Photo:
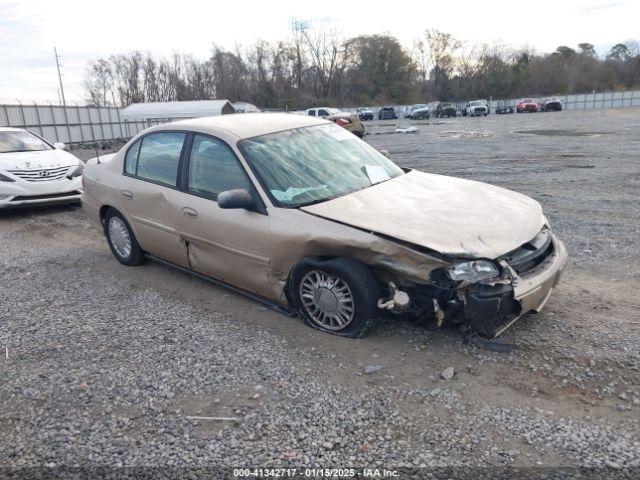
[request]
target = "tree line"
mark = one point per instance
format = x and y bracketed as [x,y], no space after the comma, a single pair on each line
[318,66]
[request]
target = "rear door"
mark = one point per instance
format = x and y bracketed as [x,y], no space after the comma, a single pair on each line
[149,192]
[232,245]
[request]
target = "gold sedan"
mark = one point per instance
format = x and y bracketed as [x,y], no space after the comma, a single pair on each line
[298,212]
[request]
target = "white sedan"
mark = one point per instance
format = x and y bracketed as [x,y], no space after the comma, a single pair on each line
[33,171]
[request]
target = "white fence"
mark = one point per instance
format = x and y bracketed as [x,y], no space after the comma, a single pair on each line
[586,101]
[579,101]
[71,124]
[77,125]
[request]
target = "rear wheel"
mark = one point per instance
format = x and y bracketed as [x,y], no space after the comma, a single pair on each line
[337,296]
[121,239]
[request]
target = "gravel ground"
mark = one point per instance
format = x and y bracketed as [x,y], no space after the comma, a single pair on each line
[107,365]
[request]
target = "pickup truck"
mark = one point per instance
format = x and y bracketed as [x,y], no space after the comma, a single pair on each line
[476,109]
[322,111]
[446,109]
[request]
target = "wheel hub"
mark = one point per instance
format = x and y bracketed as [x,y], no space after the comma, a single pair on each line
[327,299]
[119,235]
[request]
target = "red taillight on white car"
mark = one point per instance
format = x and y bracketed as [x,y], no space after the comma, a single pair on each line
[343,121]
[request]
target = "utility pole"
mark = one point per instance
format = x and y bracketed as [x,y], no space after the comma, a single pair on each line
[64,102]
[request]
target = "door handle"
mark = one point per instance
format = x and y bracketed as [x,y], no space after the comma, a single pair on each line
[127,194]
[189,212]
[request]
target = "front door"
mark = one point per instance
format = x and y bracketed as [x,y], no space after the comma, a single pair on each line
[149,194]
[232,245]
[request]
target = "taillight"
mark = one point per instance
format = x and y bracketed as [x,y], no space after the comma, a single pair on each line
[343,121]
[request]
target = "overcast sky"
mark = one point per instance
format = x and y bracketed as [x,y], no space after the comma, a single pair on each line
[84,30]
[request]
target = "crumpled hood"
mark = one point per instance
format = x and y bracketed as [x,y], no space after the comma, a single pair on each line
[36,160]
[450,215]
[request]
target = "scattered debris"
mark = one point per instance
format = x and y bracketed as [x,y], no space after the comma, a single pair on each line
[465,134]
[406,130]
[492,345]
[447,373]
[369,369]
[218,419]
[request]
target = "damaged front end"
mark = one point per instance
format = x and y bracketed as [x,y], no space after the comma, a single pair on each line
[485,296]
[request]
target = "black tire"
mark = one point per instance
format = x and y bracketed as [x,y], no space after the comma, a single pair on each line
[136,256]
[361,282]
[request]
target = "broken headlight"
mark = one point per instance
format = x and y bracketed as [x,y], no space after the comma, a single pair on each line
[472,271]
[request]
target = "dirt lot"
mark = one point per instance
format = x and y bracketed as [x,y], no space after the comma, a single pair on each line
[106,364]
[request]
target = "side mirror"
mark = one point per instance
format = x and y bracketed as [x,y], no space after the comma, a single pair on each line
[385,153]
[235,199]
[60,146]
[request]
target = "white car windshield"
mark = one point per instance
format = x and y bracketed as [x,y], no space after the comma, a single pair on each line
[21,141]
[314,164]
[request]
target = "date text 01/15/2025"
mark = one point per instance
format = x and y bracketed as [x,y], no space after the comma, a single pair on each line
[315,473]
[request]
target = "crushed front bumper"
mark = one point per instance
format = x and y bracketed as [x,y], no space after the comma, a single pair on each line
[489,307]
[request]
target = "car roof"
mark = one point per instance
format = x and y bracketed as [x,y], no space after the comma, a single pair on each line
[238,126]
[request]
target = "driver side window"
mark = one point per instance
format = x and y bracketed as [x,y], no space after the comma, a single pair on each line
[214,168]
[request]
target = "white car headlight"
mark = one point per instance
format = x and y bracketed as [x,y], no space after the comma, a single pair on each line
[78,171]
[472,271]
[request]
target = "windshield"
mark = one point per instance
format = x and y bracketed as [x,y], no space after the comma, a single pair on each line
[476,104]
[313,164]
[416,107]
[21,141]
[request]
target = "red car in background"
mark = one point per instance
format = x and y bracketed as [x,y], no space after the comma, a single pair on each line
[527,105]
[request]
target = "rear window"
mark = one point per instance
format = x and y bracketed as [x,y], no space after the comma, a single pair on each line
[156,158]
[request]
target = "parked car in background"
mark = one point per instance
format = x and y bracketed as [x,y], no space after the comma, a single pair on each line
[349,122]
[504,107]
[321,111]
[418,111]
[364,114]
[299,213]
[387,113]
[446,109]
[527,105]
[476,108]
[551,105]
[34,171]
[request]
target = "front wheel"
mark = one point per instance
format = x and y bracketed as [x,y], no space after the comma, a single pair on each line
[337,296]
[122,241]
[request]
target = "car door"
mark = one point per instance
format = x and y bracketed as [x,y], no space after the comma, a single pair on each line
[232,245]
[149,193]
